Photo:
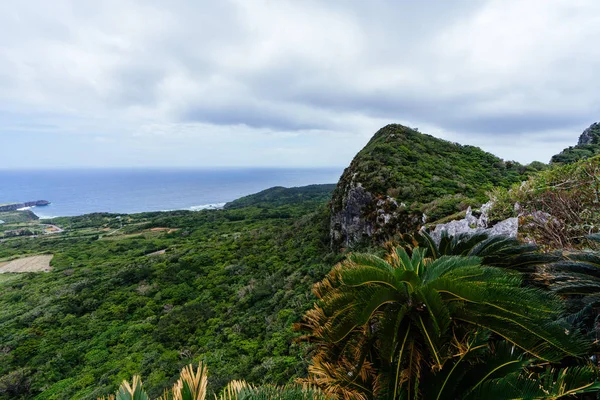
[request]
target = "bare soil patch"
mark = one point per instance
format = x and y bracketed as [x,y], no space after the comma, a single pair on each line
[28,264]
[168,230]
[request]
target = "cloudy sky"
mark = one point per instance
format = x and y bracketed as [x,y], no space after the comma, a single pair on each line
[289,83]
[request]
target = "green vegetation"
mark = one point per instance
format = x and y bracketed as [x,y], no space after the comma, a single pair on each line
[470,317]
[16,217]
[226,292]
[575,153]
[581,151]
[558,207]
[19,223]
[306,196]
[432,326]
[428,174]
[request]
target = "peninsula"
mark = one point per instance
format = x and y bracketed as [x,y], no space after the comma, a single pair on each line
[16,206]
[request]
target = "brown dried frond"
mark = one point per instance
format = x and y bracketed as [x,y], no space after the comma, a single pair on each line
[313,323]
[329,283]
[412,373]
[391,257]
[338,380]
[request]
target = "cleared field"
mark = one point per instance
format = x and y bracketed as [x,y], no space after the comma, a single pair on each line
[28,264]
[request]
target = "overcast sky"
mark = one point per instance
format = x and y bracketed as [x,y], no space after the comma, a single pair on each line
[289,83]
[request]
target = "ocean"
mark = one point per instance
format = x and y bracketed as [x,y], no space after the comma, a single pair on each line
[78,192]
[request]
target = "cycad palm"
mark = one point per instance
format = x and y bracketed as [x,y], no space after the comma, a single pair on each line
[577,277]
[381,325]
[578,273]
[494,251]
[192,385]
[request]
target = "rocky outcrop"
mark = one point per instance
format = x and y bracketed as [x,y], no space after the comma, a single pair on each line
[587,146]
[590,136]
[402,173]
[364,218]
[348,224]
[16,206]
[472,224]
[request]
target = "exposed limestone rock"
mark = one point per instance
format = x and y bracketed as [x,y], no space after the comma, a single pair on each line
[508,227]
[349,225]
[472,224]
[590,135]
[364,217]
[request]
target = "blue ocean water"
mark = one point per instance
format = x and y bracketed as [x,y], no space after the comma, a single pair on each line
[77,192]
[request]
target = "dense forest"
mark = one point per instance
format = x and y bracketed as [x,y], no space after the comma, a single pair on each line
[226,290]
[252,302]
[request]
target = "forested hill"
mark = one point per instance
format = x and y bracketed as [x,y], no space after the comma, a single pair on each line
[418,168]
[149,293]
[587,146]
[402,174]
[280,196]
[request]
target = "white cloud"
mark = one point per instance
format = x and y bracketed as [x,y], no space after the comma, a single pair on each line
[266,82]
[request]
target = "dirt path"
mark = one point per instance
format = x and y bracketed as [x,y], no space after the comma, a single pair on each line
[28,264]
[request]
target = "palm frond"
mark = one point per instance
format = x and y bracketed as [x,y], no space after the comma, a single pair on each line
[133,391]
[233,389]
[392,327]
[551,384]
[191,384]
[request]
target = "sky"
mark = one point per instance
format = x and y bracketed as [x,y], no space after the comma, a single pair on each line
[121,83]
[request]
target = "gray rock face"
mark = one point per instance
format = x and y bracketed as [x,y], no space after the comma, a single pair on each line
[472,224]
[348,225]
[590,135]
[365,217]
[508,227]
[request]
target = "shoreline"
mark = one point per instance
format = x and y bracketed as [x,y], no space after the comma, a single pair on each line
[202,207]
[7,207]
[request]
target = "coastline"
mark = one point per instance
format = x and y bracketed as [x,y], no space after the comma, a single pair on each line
[202,207]
[126,191]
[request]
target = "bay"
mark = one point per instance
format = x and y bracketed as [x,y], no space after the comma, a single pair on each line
[76,192]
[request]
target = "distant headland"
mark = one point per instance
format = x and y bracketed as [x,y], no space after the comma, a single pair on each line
[16,206]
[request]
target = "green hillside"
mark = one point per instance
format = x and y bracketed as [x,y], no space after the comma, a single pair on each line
[419,168]
[226,290]
[558,207]
[406,174]
[588,146]
[466,318]
[279,196]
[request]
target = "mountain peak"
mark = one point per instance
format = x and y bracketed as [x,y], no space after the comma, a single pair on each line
[403,176]
[587,146]
[590,136]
